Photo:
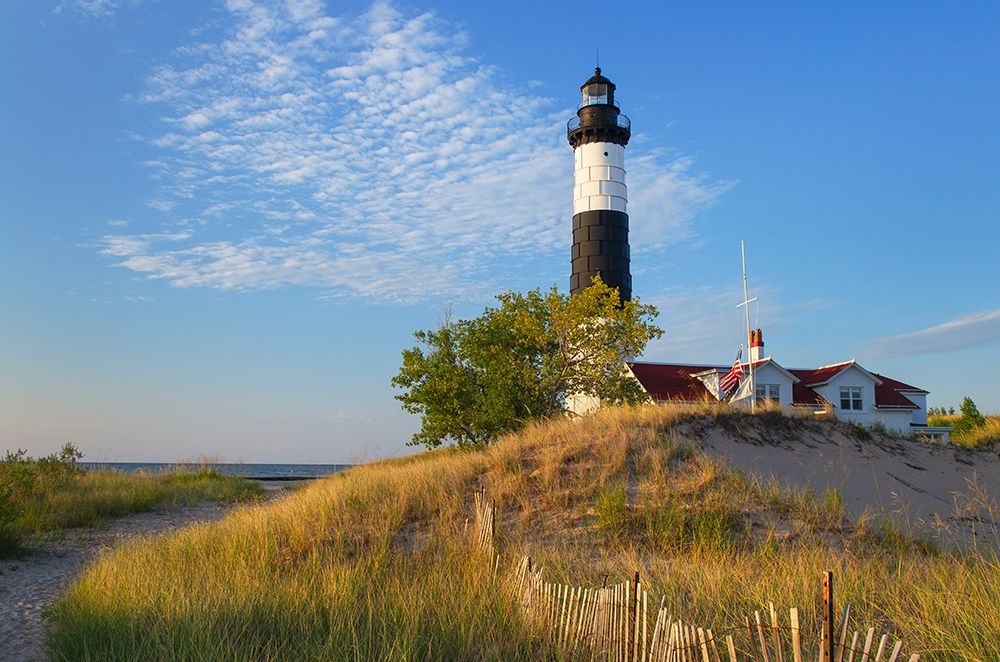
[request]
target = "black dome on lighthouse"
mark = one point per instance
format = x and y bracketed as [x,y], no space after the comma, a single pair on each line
[598,79]
[598,117]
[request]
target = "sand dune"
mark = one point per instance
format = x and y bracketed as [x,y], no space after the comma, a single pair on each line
[922,482]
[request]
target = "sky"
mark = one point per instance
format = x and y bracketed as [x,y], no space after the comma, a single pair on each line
[221,222]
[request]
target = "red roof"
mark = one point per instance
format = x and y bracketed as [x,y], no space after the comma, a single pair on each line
[821,375]
[757,364]
[887,394]
[898,385]
[672,381]
[803,395]
[675,381]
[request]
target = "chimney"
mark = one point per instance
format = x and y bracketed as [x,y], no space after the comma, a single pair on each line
[756,345]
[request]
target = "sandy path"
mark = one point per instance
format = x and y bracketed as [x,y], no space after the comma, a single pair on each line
[29,585]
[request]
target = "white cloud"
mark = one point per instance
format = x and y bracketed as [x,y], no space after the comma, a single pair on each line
[370,156]
[356,415]
[127,245]
[162,205]
[92,8]
[667,196]
[704,324]
[966,332]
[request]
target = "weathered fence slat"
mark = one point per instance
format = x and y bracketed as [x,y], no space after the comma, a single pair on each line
[854,646]
[613,622]
[844,623]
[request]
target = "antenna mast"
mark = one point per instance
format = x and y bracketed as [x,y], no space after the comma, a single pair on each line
[746,309]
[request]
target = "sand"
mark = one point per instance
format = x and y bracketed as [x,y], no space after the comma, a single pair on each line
[922,484]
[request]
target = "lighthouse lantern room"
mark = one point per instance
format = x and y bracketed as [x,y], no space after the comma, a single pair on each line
[598,135]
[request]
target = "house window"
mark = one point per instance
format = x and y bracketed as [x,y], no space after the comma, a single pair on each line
[768,392]
[850,398]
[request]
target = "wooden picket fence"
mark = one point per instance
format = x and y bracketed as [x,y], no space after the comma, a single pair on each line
[613,622]
[486,512]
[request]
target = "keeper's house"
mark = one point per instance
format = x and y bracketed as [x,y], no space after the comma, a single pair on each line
[846,389]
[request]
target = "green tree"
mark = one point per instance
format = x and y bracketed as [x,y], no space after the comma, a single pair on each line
[474,380]
[971,417]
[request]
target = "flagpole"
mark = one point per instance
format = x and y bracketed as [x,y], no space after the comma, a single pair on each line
[746,310]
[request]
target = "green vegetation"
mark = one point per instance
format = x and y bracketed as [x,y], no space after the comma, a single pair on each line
[613,517]
[52,493]
[474,380]
[376,563]
[971,418]
[971,428]
[861,431]
[982,438]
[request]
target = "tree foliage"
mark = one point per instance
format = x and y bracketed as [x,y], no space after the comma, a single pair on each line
[971,419]
[474,380]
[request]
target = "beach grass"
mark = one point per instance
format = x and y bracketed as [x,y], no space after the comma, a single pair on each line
[377,562]
[984,437]
[52,494]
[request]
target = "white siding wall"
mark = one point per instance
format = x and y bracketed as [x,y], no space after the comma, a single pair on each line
[920,415]
[851,377]
[581,405]
[893,420]
[897,421]
[599,180]
[768,374]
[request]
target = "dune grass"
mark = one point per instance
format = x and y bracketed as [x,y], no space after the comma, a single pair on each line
[985,437]
[376,563]
[93,497]
[51,494]
[981,438]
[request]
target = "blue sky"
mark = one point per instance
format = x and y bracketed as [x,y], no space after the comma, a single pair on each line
[221,222]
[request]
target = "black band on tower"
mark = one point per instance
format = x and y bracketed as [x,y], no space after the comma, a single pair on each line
[600,246]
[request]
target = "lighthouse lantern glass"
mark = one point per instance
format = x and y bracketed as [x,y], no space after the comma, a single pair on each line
[595,93]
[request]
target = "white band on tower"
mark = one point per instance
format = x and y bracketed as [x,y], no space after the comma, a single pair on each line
[599,178]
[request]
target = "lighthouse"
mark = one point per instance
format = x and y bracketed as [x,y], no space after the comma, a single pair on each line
[598,135]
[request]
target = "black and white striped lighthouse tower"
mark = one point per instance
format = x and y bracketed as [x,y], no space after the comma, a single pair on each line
[598,135]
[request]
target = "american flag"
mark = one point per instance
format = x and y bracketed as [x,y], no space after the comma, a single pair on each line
[732,378]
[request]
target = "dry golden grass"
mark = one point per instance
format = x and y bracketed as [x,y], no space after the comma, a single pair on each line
[981,438]
[987,436]
[376,564]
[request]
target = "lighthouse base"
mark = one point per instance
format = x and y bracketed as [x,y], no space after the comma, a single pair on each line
[581,405]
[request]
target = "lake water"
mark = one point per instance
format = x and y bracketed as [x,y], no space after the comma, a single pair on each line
[260,471]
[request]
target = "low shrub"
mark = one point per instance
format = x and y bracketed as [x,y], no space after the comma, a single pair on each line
[861,431]
[672,528]
[985,437]
[53,493]
[715,529]
[10,536]
[613,516]
[666,527]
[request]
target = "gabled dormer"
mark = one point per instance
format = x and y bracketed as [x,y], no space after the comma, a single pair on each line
[847,386]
